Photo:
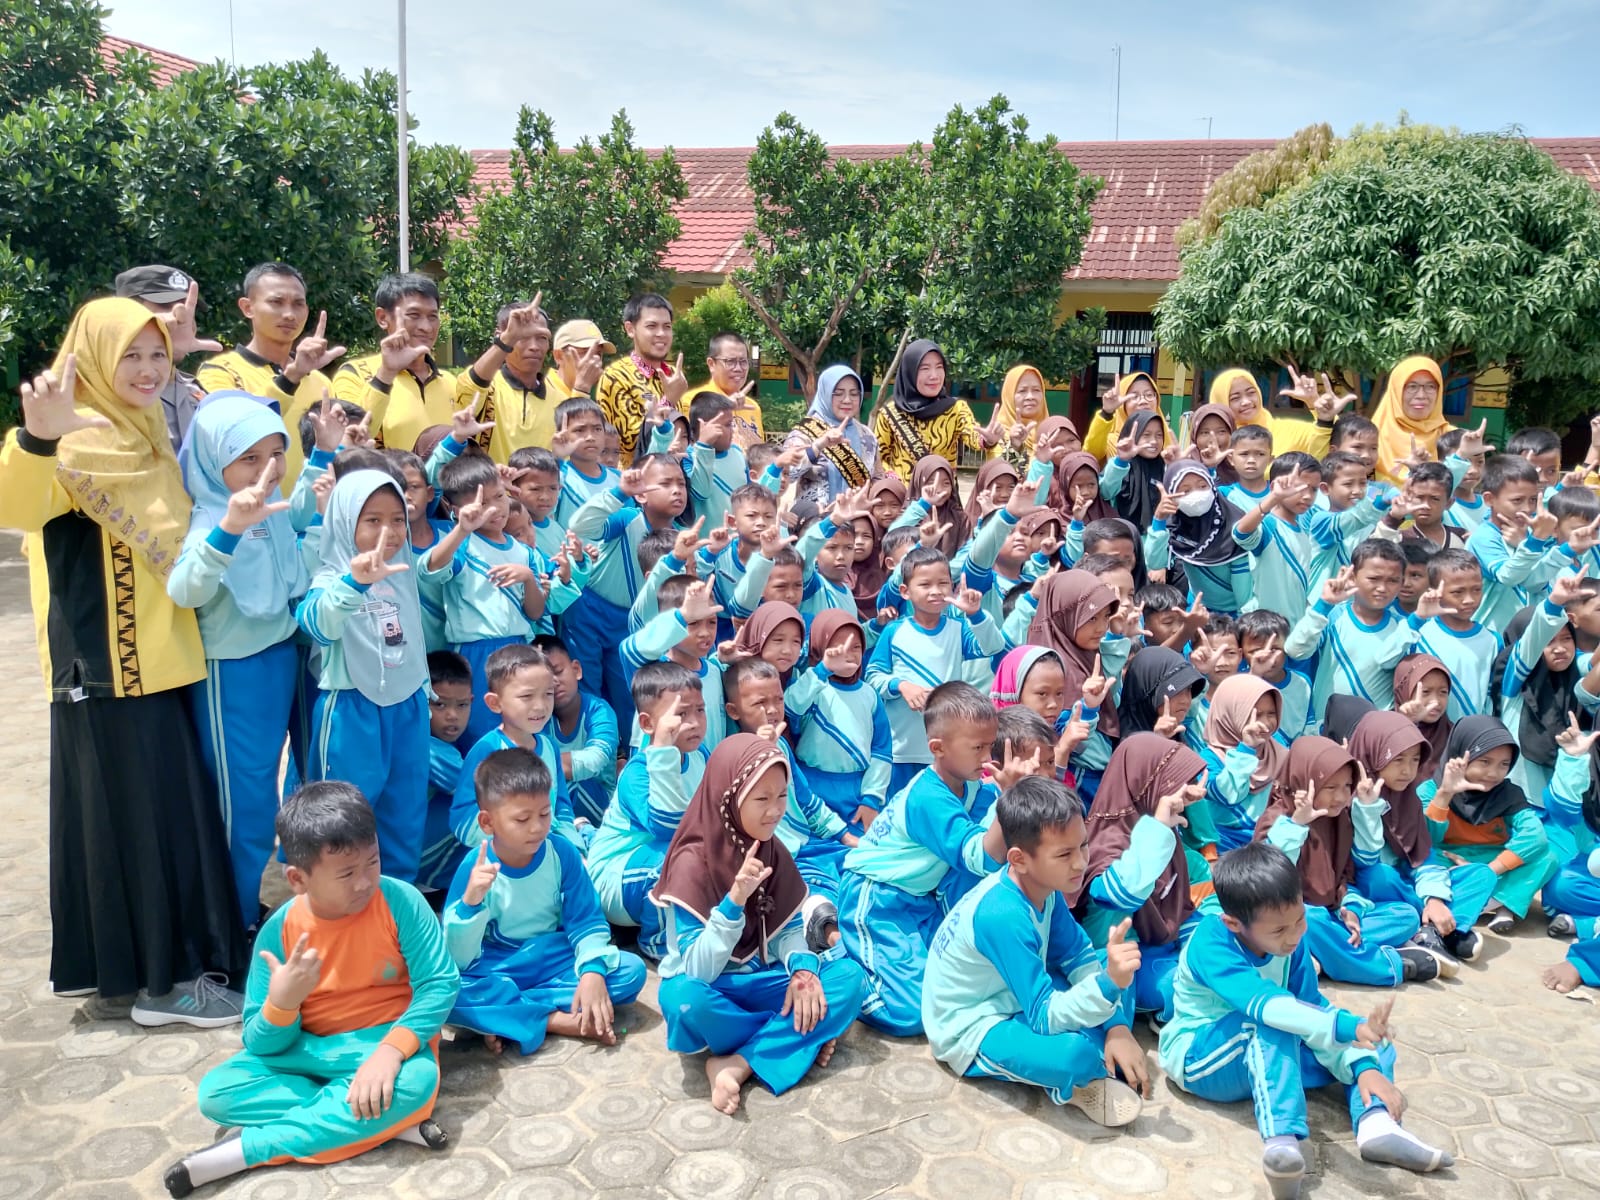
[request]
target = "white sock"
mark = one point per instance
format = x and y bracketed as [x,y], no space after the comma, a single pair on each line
[412,1134]
[1375,1123]
[1283,1139]
[215,1162]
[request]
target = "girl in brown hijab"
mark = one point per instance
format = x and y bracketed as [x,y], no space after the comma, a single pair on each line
[1390,748]
[1073,613]
[1242,756]
[935,497]
[738,979]
[996,480]
[1075,489]
[1320,807]
[886,500]
[1422,692]
[775,632]
[1137,866]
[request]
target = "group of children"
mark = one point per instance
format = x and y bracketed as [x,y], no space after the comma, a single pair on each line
[1160,737]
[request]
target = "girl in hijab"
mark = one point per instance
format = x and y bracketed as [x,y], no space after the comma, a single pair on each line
[1075,489]
[1238,391]
[1127,396]
[843,744]
[996,480]
[1210,440]
[1033,677]
[1315,816]
[1241,755]
[1132,478]
[1477,814]
[241,569]
[1410,416]
[1405,867]
[1022,407]
[142,902]
[923,417]
[935,497]
[737,978]
[1137,866]
[371,716]
[841,452]
[1158,687]
[1535,679]
[775,633]
[1211,539]
[1072,618]
[1422,692]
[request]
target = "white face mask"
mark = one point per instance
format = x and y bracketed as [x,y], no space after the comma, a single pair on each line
[1195,504]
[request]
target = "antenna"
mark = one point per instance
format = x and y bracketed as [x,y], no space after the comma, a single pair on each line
[1116,134]
[233,53]
[1207,120]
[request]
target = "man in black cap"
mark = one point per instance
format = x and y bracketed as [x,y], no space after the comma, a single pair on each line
[172,295]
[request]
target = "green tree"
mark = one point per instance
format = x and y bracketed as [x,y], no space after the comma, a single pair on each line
[719,310]
[1475,249]
[587,227]
[47,44]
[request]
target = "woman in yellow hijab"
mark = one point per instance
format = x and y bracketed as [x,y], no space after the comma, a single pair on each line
[142,901]
[1411,411]
[1022,406]
[1128,396]
[1237,388]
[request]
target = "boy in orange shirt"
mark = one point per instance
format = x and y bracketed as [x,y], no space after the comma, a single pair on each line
[343,1007]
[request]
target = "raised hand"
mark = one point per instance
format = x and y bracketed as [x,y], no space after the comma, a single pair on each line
[790,456]
[484,873]
[590,364]
[1203,655]
[1374,1031]
[1255,733]
[1544,524]
[248,507]
[523,320]
[329,421]
[359,433]
[1073,734]
[968,599]
[374,565]
[180,322]
[1095,686]
[931,531]
[751,876]
[1288,489]
[472,515]
[1167,507]
[1329,404]
[1013,768]
[1568,588]
[48,409]
[774,538]
[1305,807]
[1454,778]
[322,488]
[1585,537]
[1574,740]
[1303,389]
[1127,448]
[669,725]
[1431,604]
[834,658]
[313,353]
[698,603]
[1368,789]
[1169,809]
[1168,725]
[632,483]
[1122,956]
[688,541]
[296,977]
[397,354]
[464,425]
[1111,400]
[1338,588]
[1415,706]
[1171,454]
[1264,653]
[1474,441]
[772,733]
[712,429]
[721,536]
[677,385]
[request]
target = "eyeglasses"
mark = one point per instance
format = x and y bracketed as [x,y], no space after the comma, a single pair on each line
[1420,389]
[733,364]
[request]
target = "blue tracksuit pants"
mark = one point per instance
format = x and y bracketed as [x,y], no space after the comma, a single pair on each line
[594,628]
[887,931]
[383,750]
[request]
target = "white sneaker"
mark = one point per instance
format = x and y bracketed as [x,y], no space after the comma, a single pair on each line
[203,1002]
[1108,1102]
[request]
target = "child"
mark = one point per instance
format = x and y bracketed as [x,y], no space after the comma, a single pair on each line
[524,926]
[346,996]
[1466,648]
[537,475]
[1513,543]
[1157,689]
[1467,509]
[1241,756]
[683,632]
[755,523]
[653,791]
[1250,1023]
[738,979]
[1074,619]
[1535,681]
[1132,479]
[1262,635]
[1216,655]
[1426,500]
[1358,636]
[425,533]
[1290,542]
[1034,677]
[1252,455]
[936,498]
[1015,991]
[521,693]
[718,466]
[664,553]
[889,903]
[1211,539]
[580,442]
[1356,435]
[584,732]
[915,654]
[776,634]
[1075,489]
[1318,815]
[449,705]
[1417,554]
[649,496]
[241,568]
[492,594]
[371,717]
[1137,866]
[1542,448]
[1571,898]
[843,746]
[1405,866]
[1477,814]
[1422,692]
[1162,609]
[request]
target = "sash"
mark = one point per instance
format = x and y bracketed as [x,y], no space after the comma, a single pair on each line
[906,432]
[841,454]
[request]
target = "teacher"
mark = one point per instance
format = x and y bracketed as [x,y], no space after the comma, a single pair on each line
[923,418]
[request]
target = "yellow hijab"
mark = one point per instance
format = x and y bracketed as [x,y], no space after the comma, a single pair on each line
[1006,414]
[1396,430]
[1223,384]
[125,477]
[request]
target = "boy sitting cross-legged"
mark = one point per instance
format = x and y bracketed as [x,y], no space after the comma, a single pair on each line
[524,925]
[1250,1023]
[343,1007]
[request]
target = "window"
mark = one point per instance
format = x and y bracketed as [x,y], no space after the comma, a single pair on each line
[1127,344]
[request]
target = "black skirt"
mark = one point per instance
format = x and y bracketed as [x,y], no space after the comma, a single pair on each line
[141,887]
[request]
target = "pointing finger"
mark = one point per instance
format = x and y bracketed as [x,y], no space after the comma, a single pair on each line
[322,325]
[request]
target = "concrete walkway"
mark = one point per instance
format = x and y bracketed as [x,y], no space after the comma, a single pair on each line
[1503,1073]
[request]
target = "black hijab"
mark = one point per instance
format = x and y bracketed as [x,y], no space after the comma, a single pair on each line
[1547,696]
[1138,498]
[906,397]
[1475,737]
[1154,675]
[1342,715]
[1208,538]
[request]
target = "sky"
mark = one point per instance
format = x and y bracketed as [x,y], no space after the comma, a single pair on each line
[715,72]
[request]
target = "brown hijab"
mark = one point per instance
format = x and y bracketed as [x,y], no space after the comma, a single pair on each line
[868,578]
[1380,738]
[1059,498]
[950,512]
[1225,473]
[1407,675]
[1143,768]
[709,848]
[1232,706]
[762,624]
[829,624]
[992,471]
[1327,860]
[1066,602]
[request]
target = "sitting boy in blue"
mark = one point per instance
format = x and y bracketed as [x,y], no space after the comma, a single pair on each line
[889,897]
[449,706]
[346,996]
[584,731]
[1015,991]
[1250,1023]
[524,925]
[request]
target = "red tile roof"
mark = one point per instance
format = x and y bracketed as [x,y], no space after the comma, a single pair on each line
[1150,189]
[167,66]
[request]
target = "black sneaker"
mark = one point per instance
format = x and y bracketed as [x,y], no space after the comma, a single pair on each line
[1463,944]
[1561,926]
[1418,965]
[821,921]
[177,1180]
[1427,938]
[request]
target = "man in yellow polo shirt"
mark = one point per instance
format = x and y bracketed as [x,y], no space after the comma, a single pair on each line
[580,349]
[270,364]
[632,385]
[728,360]
[509,385]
